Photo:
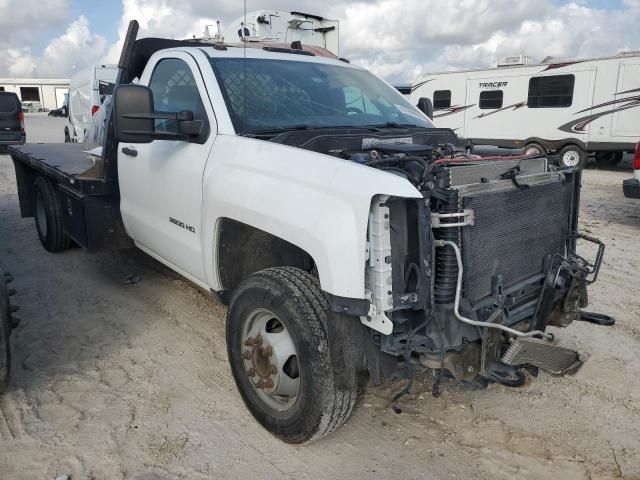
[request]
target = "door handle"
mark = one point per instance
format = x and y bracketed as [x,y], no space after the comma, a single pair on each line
[132,152]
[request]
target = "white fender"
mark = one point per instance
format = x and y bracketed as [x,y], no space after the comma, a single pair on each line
[317,202]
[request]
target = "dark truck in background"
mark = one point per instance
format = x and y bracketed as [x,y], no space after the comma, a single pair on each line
[11,121]
[350,237]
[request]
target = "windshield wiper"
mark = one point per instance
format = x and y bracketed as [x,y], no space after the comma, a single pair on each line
[395,125]
[268,131]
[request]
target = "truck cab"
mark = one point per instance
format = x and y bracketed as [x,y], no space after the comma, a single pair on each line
[350,238]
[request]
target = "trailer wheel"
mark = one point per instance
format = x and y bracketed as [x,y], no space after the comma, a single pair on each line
[279,353]
[5,330]
[534,148]
[608,159]
[48,216]
[572,156]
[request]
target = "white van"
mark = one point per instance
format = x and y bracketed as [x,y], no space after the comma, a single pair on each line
[87,92]
[571,108]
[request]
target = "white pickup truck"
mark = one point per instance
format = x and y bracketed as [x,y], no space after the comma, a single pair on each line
[350,237]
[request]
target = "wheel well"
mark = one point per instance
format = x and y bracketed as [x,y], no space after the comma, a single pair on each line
[556,145]
[243,250]
[571,144]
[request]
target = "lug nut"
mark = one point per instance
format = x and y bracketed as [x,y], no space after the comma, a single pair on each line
[246,355]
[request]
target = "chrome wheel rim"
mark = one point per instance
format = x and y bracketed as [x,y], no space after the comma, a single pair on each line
[571,158]
[270,360]
[41,216]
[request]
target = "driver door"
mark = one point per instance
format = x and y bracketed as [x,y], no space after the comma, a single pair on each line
[161,181]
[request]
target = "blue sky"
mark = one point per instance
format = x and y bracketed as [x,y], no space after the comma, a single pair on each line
[102,15]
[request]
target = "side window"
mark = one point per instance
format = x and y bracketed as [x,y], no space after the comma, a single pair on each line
[174,89]
[441,99]
[551,92]
[490,99]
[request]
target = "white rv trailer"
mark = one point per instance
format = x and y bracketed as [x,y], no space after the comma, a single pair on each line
[571,108]
[287,27]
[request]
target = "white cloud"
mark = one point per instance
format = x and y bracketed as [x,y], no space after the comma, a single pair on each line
[76,48]
[475,33]
[161,18]
[397,39]
[20,20]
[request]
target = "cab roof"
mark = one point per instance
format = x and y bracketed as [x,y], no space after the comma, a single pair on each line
[144,48]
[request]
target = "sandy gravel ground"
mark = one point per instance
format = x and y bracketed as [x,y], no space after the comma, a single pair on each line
[121,381]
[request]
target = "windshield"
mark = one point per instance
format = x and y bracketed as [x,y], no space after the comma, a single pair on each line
[265,95]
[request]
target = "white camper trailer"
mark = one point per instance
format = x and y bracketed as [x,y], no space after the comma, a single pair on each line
[287,27]
[571,108]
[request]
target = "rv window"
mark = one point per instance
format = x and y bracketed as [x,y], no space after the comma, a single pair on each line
[441,99]
[551,92]
[491,99]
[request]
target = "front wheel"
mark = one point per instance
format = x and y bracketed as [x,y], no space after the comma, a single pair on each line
[572,156]
[278,346]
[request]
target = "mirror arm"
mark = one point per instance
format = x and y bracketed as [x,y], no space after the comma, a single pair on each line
[152,115]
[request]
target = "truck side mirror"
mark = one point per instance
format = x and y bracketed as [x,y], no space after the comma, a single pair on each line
[133,113]
[426,107]
[134,118]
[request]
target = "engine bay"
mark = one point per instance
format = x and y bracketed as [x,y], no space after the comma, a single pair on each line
[469,277]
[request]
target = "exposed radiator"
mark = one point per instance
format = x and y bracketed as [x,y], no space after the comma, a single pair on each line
[487,171]
[514,229]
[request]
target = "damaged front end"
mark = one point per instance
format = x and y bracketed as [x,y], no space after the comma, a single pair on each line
[467,279]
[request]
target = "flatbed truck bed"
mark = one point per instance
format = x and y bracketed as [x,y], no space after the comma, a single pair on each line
[89,198]
[68,163]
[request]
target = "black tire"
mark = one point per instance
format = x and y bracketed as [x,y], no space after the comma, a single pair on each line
[608,159]
[48,216]
[531,148]
[572,156]
[323,403]
[5,331]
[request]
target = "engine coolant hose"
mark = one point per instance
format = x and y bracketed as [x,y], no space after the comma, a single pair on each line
[477,323]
